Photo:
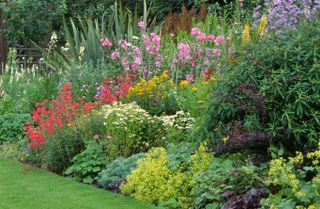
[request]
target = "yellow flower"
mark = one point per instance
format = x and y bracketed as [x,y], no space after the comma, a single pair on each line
[246,33]
[213,79]
[130,91]
[164,76]
[225,139]
[205,82]
[262,25]
[183,84]
[194,89]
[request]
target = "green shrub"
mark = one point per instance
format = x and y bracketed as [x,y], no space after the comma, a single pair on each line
[32,19]
[294,182]
[274,91]
[60,148]
[154,181]
[129,130]
[12,127]
[224,175]
[88,163]
[7,105]
[64,144]
[116,172]
[12,150]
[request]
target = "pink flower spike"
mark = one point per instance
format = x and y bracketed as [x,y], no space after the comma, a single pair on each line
[141,25]
[219,39]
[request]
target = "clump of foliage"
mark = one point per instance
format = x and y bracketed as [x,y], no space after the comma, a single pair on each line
[12,127]
[154,181]
[224,180]
[294,182]
[12,150]
[60,148]
[88,163]
[32,19]
[115,173]
[274,91]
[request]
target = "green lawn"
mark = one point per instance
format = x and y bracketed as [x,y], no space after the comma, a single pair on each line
[38,189]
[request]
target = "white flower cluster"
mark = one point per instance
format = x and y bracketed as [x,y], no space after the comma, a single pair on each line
[181,121]
[126,115]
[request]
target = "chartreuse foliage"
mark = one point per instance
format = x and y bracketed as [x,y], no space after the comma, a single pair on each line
[296,181]
[156,181]
[37,189]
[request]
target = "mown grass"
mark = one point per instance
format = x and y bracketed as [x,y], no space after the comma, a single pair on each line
[38,189]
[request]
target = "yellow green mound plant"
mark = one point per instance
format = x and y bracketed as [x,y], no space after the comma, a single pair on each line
[155,182]
[295,182]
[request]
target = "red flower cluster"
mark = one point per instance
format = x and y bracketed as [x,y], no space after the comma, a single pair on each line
[111,90]
[60,112]
[54,114]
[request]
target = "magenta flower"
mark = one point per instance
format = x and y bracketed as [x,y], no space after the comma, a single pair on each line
[115,55]
[219,39]
[210,38]
[141,25]
[106,42]
[202,37]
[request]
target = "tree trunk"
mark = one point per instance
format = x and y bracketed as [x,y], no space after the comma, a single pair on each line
[3,44]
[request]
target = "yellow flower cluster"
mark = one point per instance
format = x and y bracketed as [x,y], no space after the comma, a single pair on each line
[158,85]
[315,156]
[153,181]
[183,84]
[284,173]
[262,25]
[246,33]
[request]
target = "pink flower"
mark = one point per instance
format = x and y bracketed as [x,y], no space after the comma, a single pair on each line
[158,64]
[124,44]
[106,42]
[115,55]
[156,40]
[195,31]
[210,38]
[125,61]
[190,78]
[134,66]
[219,39]
[141,25]
[202,37]
[137,60]
[217,52]
[184,50]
